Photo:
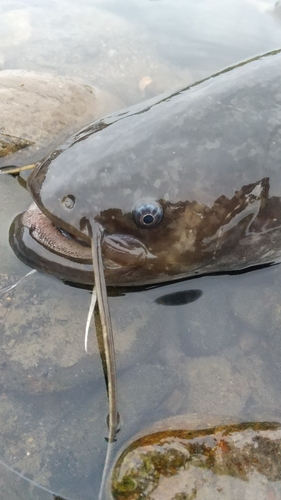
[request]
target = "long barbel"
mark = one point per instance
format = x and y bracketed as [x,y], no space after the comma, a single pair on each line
[14,170]
[96,232]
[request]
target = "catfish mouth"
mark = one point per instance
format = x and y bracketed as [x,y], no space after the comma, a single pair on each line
[39,243]
[55,239]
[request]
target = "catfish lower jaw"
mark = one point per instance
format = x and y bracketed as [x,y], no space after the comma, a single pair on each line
[40,244]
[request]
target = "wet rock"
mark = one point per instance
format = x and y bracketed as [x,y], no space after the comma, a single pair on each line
[227,461]
[38,111]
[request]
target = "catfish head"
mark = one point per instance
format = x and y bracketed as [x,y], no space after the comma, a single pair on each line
[181,185]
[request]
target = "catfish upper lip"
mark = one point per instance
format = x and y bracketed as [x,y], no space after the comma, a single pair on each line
[119,250]
[45,232]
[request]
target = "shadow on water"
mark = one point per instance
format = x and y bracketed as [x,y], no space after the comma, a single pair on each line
[179,298]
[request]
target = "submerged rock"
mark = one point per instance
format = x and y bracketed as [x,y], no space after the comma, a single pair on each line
[44,351]
[39,110]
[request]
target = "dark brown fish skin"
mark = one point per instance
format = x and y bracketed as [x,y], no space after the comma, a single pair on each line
[247,241]
[209,155]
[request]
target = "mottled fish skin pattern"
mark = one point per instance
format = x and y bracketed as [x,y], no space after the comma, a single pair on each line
[209,154]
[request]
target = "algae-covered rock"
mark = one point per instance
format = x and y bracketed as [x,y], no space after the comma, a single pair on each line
[10,144]
[227,462]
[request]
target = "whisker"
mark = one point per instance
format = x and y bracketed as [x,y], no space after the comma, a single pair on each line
[14,170]
[96,233]
[25,478]
[106,468]
[89,317]
[8,288]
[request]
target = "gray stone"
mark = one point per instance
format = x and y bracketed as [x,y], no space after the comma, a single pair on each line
[38,111]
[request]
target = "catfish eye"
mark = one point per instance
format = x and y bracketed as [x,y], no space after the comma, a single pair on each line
[147,214]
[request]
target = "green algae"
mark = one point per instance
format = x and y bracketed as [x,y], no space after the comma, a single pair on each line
[10,144]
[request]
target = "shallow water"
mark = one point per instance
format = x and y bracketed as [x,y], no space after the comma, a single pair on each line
[218,353]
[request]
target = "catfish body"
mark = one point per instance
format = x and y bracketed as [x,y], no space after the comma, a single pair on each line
[183,184]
